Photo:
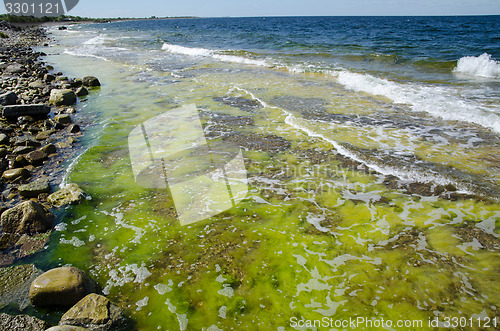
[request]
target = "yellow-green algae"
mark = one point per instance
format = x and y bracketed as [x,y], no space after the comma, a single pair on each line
[315,238]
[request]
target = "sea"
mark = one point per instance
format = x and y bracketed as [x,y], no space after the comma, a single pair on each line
[369,171]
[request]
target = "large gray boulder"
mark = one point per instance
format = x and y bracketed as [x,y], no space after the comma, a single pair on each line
[65,97]
[26,218]
[60,287]
[13,69]
[95,312]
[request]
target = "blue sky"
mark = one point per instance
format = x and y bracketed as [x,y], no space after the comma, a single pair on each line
[211,8]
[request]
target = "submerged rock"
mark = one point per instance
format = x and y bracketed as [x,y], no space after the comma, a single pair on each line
[96,313]
[22,322]
[63,119]
[68,195]
[26,218]
[60,287]
[82,91]
[65,97]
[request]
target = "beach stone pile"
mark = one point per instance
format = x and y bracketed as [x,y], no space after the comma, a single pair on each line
[36,126]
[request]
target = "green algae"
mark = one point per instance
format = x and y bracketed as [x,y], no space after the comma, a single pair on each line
[317,236]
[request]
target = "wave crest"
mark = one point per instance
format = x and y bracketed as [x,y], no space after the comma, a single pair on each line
[480,66]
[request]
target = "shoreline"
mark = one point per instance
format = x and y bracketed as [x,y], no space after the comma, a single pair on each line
[39,135]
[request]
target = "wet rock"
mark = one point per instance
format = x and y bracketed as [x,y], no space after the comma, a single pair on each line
[44,135]
[25,246]
[73,128]
[14,174]
[95,312]
[38,110]
[64,97]
[49,149]
[49,78]
[19,162]
[25,120]
[7,240]
[36,158]
[21,322]
[25,141]
[26,218]
[23,150]
[33,189]
[68,195]
[63,119]
[60,287]
[8,98]
[91,81]
[15,282]
[82,91]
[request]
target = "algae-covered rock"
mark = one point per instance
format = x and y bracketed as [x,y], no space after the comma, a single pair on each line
[33,189]
[96,313]
[60,287]
[21,322]
[65,97]
[26,218]
[68,195]
[91,81]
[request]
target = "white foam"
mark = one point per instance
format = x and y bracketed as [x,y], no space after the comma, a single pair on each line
[203,52]
[84,54]
[439,101]
[478,66]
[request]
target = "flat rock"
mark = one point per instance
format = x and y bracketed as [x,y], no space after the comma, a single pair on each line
[60,287]
[14,111]
[15,68]
[36,157]
[25,141]
[21,322]
[14,174]
[39,84]
[68,195]
[33,189]
[95,312]
[26,218]
[64,97]
[21,150]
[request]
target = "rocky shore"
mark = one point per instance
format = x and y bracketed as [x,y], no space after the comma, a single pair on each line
[37,133]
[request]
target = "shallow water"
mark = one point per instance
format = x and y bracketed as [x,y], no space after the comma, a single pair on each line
[373,183]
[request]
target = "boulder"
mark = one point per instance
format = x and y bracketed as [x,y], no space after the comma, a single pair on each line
[26,218]
[63,119]
[60,287]
[36,157]
[82,91]
[4,139]
[8,98]
[15,111]
[14,174]
[95,312]
[49,78]
[21,322]
[33,189]
[65,97]
[90,81]
[73,128]
[68,195]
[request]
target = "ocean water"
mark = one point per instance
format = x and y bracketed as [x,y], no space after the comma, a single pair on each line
[371,147]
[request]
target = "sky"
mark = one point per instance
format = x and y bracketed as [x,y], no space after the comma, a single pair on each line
[235,8]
